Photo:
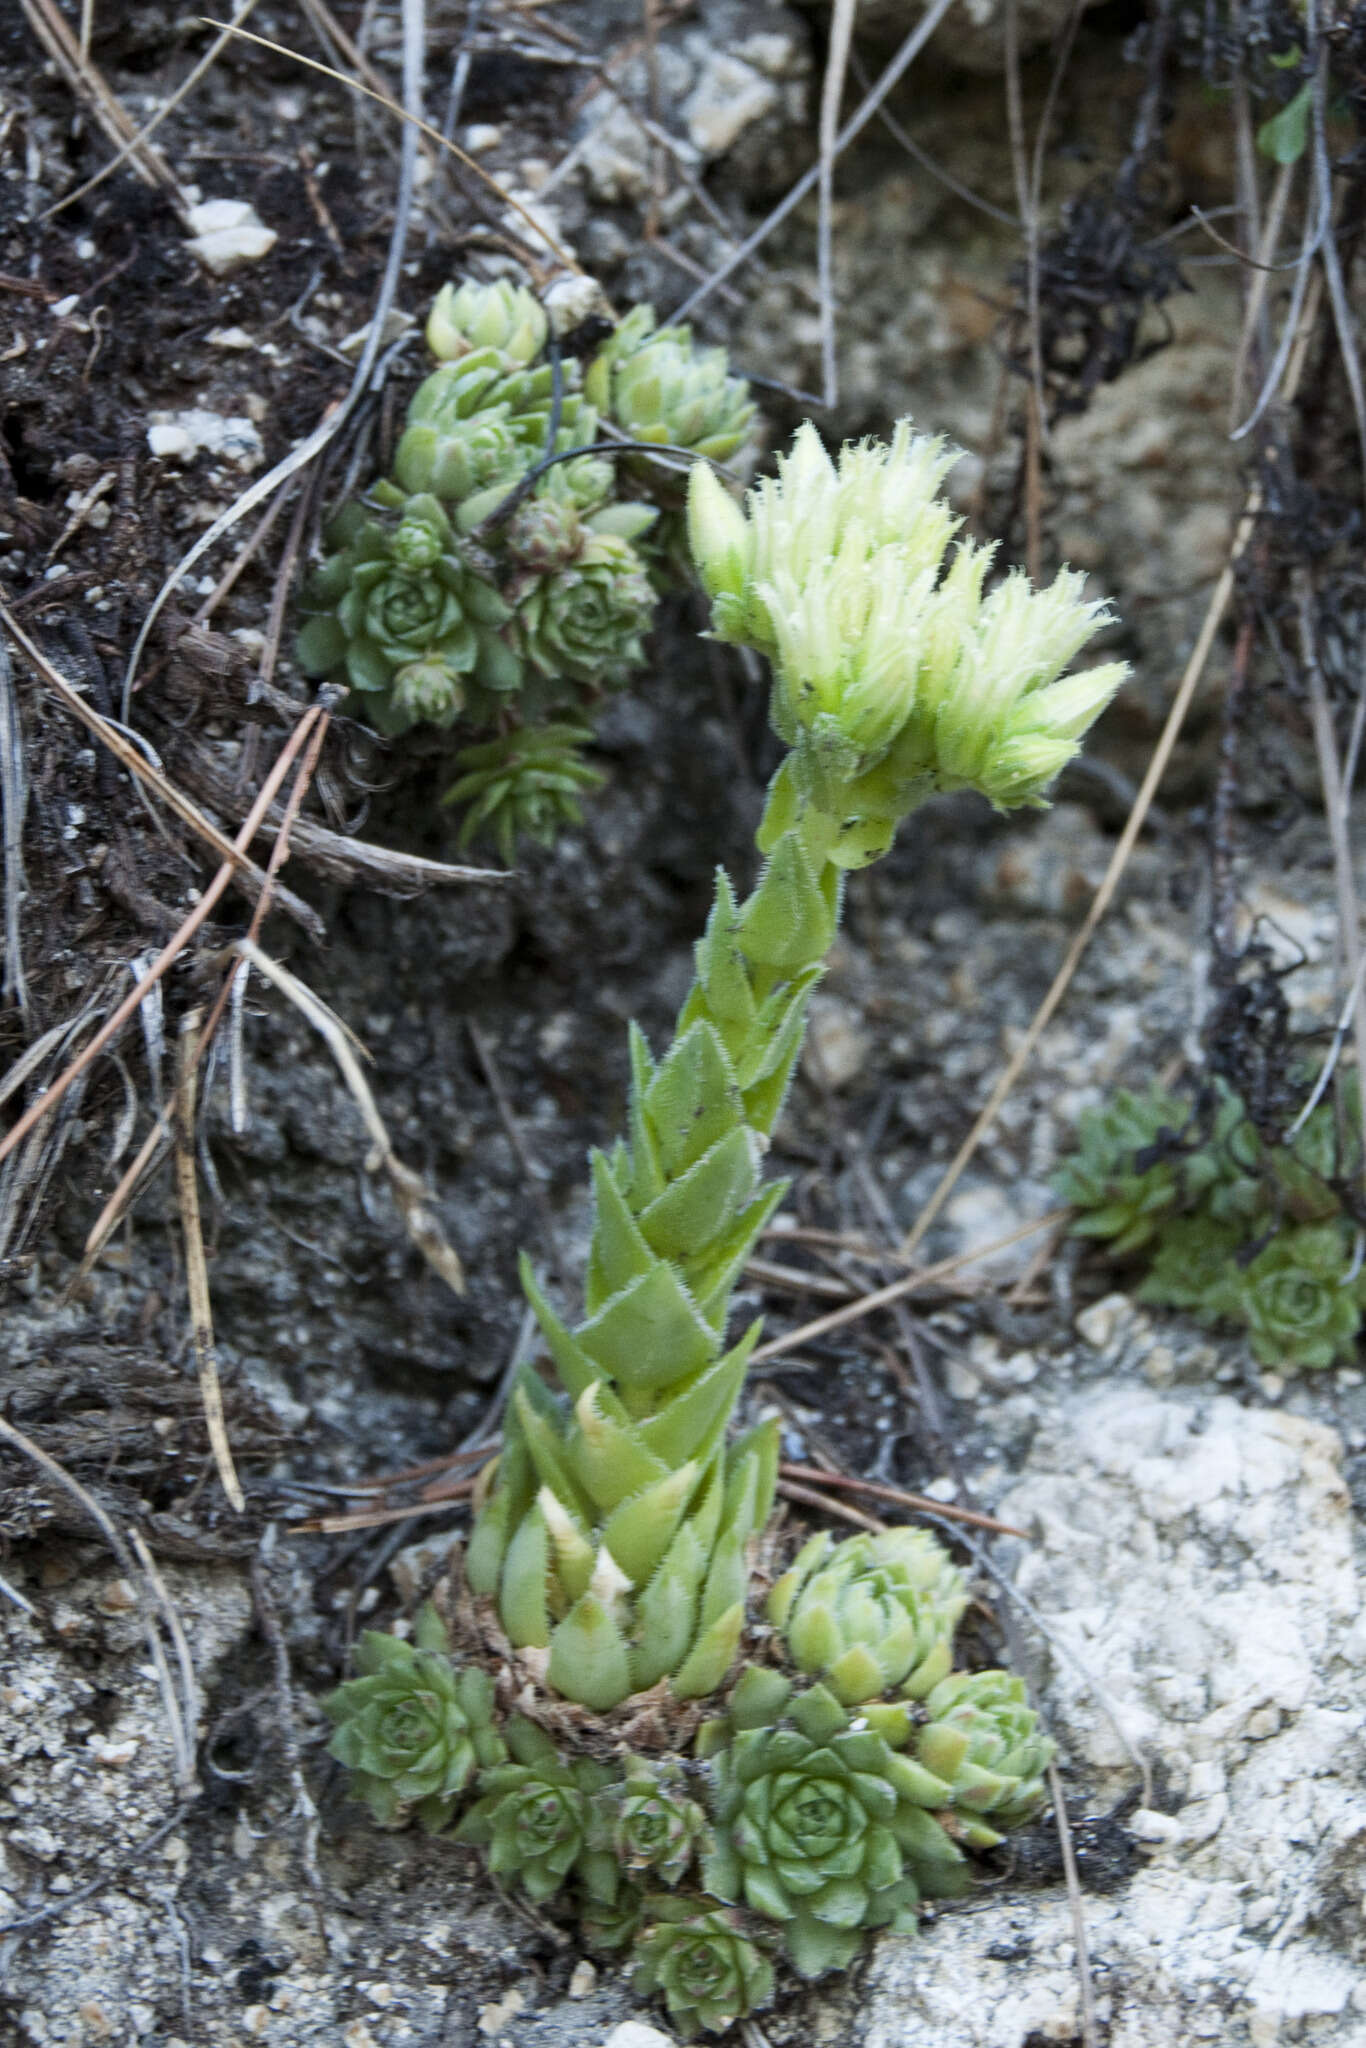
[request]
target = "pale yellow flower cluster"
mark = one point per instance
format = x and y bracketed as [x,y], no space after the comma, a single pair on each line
[836,571]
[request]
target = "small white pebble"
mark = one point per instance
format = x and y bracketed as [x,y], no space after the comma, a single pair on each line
[1149,1826]
[493,2018]
[226,233]
[1099,1324]
[66,306]
[168,440]
[584,1981]
[113,1755]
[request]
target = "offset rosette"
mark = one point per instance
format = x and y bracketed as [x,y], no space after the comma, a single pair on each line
[820,1825]
[704,1966]
[1300,1297]
[524,785]
[660,387]
[474,424]
[650,1822]
[586,620]
[1127,1174]
[983,1739]
[403,618]
[532,1818]
[872,1615]
[504,317]
[413,1729]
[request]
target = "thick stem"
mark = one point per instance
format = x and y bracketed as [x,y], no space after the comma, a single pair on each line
[614,1537]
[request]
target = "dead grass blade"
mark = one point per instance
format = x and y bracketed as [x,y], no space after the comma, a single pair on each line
[919,1503]
[897,1290]
[50,1097]
[910,49]
[832,92]
[470,163]
[131,757]
[1090,2030]
[196,1265]
[85,81]
[410,1193]
[842,1510]
[231,992]
[336,854]
[13,805]
[139,137]
[182,1711]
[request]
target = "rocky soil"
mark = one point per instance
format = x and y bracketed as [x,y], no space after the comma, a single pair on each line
[179,1865]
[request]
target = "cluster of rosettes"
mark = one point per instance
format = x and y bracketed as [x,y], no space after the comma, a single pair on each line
[447,596]
[802,1820]
[1235,1228]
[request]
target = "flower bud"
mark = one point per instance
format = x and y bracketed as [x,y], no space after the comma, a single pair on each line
[717,534]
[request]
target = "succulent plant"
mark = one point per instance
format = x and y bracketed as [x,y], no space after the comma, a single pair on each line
[585,622]
[532,1817]
[1297,1298]
[649,1821]
[607,1927]
[474,424]
[614,1534]
[982,1738]
[871,1615]
[706,1968]
[660,387]
[1239,1226]
[820,1824]
[1195,1266]
[524,785]
[413,1729]
[1120,1189]
[400,614]
[501,316]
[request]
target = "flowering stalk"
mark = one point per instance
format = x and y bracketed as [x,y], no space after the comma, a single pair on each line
[614,1536]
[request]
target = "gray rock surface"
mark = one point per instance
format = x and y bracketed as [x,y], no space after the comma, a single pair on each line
[1192,1566]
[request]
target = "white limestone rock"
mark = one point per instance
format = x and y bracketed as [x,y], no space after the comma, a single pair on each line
[1194,1557]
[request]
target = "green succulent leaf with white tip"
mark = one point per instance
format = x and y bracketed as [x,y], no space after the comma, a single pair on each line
[413,1729]
[873,1615]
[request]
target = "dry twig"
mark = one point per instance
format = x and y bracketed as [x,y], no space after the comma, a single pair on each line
[196,1266]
